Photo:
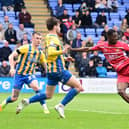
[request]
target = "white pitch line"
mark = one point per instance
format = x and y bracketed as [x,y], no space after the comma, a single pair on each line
[98,111]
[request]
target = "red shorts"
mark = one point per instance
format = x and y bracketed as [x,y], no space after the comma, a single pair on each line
[122,78]
[123,74]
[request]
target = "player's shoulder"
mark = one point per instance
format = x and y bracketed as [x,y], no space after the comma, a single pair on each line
[25,46]
[121,43]
[52,39]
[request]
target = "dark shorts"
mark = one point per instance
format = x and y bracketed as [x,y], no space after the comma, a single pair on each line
[55,77]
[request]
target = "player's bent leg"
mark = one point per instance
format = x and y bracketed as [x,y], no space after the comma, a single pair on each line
[121,87]
[10,99]
[22,105]
[74,83]
[34,86]
[50,91]
[76,88]
[36,98]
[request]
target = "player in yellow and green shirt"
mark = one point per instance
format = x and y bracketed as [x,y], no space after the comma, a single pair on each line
[54,52]
[28,56]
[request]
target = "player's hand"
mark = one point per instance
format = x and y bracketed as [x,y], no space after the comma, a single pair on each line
[70,59]
[12,72]
[66,47]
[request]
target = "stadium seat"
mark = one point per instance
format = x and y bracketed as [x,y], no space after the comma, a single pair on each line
[81,30]
[12,46]
[111,23]
[15,22]
[83,37]
[121,8]
[115,16]
[53,4]
[15,27]
[1,14]
[117,23]
[94,14]
[10,13]
[99,31]
[68,6]
[29,32]
[90,31]
[71,13]
[111,74]
[122,14]
[76,6]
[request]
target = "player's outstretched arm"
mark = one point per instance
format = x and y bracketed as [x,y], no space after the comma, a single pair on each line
[84,49]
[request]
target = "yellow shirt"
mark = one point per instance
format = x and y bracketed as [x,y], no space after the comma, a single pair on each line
[53,52]
[28,59]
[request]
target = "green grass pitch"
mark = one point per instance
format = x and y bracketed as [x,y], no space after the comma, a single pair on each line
[86,111]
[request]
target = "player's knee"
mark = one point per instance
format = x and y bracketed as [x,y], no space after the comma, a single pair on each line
[121,92]
[80,89]
[14,98]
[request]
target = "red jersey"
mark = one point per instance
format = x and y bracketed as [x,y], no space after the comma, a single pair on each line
[115,54]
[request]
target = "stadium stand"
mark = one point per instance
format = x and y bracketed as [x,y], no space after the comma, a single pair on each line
[113,18]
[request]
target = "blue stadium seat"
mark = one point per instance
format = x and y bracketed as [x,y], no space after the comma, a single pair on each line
[99,31]
[81,30]
[71,13]
[76,6]
[90,31]
[83,37]
[52,4]
[29,32]
[117,23]
[15,22]
[111,74]
[12,46]
[111,23]
[122,14]
[1,14]
[121,8]
[94,14]
[15,27]
[68,6]
[115,16]
[10,13]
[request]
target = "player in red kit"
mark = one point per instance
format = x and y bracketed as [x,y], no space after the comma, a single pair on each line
[114,52]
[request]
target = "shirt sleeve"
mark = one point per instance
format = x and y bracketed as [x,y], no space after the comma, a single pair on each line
[96,48]
[52,50]
[42,58]
[23,49]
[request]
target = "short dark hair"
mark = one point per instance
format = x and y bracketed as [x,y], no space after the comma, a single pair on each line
[110,32]
[51,22]
[35,32]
